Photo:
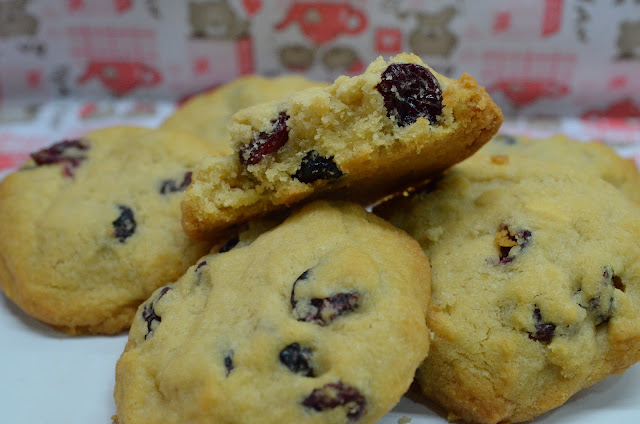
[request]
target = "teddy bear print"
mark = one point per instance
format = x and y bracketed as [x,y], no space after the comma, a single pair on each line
[628,41]
[297,57]
[431,37]
[14,19]
[216,20]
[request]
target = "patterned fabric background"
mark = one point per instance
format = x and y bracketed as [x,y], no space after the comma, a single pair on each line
[70,65]
[579,57]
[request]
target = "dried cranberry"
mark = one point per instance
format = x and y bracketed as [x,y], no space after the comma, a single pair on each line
[544,331]
[228,361]
[410,91]
[149,313]
[330,308]
[333,395]
[68,152]
[265,143]
[323,311]
[200,265]
[125,225]
[297,359]
[510,243]
[315,167]
[171,186]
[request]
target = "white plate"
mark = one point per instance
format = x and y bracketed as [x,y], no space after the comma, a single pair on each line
[49,378]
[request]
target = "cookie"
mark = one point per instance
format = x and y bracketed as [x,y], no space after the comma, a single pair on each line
[359,139]
[535,284]
[319,320]
[89,228]
[593,158]
[207,115]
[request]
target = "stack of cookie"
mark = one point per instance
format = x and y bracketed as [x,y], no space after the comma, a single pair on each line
[250,300]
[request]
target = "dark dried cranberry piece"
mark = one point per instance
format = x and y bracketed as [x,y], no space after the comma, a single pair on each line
[171,186]
[510,243]
[315,167]
[323,311]
[333,395]
[544,331]
[149,313]
[228,361]
[410,91]
[200,265]
[332,307]
[297,359]
[125,225]
[68,152]
[230,244]
[265,143]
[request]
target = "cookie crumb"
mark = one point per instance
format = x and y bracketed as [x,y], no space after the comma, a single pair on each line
[404,420]
[114,418]
[500,159]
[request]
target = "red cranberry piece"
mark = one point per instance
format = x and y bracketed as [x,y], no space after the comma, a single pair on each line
[297,358]
[67,152]
[149,313]
[511,243]
[315,167]
[125,225]
[544,331]
[327,309]
[333,395]
[265,143]
[410,91]
[228,361]
[322,311]
[172,186]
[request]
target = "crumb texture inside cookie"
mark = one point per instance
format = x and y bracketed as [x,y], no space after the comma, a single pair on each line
[359,138]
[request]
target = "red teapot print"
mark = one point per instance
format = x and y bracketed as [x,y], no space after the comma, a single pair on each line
[322,22]
[121,77]
[524,92]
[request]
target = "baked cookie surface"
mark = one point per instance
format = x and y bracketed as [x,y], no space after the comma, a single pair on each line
[208,114]
[319,320]
[594,158]
[89,228]
[535,284]
[359,139]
